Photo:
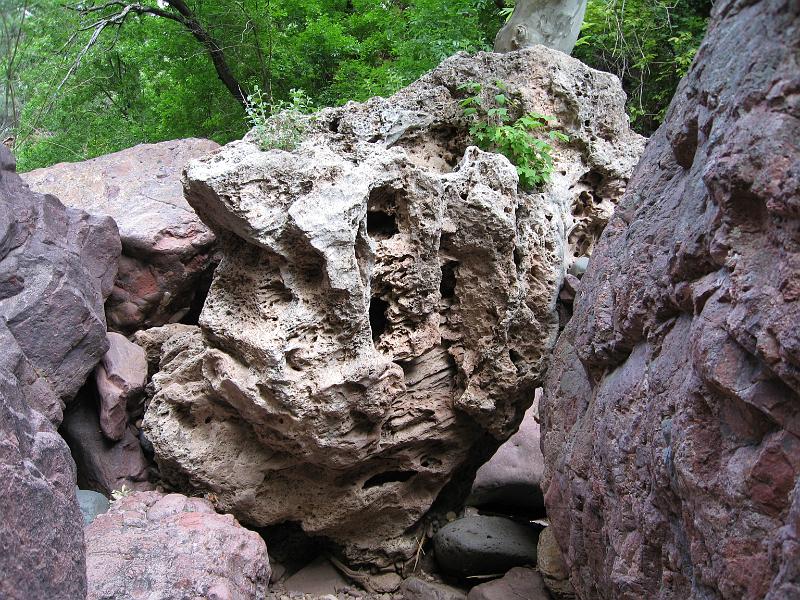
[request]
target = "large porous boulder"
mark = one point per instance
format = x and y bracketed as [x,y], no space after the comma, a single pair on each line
[57,266]
[671,417]
[166,250]
[385,304]
[170,547]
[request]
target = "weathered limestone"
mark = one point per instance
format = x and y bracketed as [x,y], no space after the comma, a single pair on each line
[166,250]
[671,416]
[385,304]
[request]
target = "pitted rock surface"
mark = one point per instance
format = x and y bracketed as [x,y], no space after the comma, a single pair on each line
[385,304]
[171,547]
[166,250]
[57,266]
[671,416]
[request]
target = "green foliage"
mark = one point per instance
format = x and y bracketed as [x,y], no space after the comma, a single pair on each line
[648,44]
[494,128]
[281,124]
[150,80]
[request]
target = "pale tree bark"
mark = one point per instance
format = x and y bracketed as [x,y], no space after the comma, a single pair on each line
[552,23]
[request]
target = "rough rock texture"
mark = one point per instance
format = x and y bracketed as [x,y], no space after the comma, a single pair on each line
[103,465]
[170,547]
[41,528]
[120,378]
[384,307]
[57,266]
[519,583]
[484,545]
[551,565]
[671,417]
[511,479]
[167,251]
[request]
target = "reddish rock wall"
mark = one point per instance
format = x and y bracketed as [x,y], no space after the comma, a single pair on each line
[672,412]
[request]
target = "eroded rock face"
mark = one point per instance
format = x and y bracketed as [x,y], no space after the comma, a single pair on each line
[45,289]
[41,529]
[57,266]
[671,417]
[173,547]
[385,303]
[167,250]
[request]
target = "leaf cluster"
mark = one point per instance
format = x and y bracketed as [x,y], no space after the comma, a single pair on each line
[494,128]
[282,124]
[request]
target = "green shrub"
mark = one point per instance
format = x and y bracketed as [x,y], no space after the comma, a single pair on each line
[494,128]
[279,125]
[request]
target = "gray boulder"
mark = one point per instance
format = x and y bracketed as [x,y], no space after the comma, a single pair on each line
[483,545]
[167,251]
[92,504]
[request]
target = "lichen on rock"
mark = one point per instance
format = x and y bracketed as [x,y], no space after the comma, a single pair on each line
[385,304]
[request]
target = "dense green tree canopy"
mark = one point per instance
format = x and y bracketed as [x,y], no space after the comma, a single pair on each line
[151,75]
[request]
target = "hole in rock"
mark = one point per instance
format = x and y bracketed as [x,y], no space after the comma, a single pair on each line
[378,322]
[388,477]
[447,287]
[334,125]
[202,288]
[517,257]
[381,224]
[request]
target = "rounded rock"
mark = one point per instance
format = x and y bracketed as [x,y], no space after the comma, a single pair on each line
[483,545]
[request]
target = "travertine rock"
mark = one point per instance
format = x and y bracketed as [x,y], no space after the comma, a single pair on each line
[57,266]
[166,249]
[671,418]
[384,307]
[170,547]
[551,565]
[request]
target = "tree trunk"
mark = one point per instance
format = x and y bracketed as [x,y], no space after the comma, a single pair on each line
[552,23]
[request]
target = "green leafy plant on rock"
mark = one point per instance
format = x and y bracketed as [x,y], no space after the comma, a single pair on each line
[494,128]
[279,125]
